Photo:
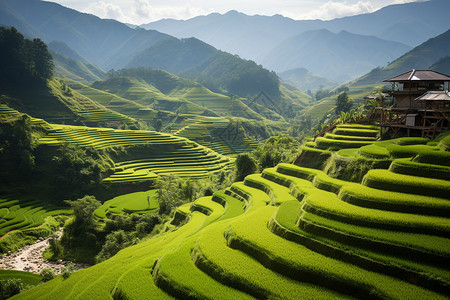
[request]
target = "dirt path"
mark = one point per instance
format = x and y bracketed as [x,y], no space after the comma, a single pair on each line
[30,259]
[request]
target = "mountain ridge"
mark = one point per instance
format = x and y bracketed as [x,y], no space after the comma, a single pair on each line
[338,56]
[421,57]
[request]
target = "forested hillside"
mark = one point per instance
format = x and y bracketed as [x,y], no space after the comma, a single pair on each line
[215,69]
[421,57]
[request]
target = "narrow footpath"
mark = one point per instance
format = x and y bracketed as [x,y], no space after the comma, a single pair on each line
[29,259]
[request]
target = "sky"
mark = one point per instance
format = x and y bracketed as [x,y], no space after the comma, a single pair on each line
[145,11]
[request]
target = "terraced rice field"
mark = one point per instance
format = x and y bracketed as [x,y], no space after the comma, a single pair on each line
[18,213]
[291,232]
[348,136]
[28,279]
[217,135]
[139,202]
[161,154]
[345,137]
[7,112]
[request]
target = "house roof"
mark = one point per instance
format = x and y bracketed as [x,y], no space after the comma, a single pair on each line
[423,75]
[434,96]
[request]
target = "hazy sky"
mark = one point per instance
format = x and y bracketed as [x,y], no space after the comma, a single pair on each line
[145,11]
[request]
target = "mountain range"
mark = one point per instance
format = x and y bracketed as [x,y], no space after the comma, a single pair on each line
[254,36]
[432,54]
[106,43]
[273,41]
[338,56]
[84,45]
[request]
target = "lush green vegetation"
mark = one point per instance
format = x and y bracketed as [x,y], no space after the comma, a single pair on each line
[13,282]
[291,230]
[168,154]
[23,220]
[352,217]
[129,203]
[22,60]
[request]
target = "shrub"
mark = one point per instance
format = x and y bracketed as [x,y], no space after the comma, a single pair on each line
[10,287]
[67,270]
[245,165]
[47,275]
[115,241]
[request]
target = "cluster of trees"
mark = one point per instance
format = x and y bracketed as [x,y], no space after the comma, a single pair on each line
[23,60]
[174,191]
[87,240]
[343,103]
[76,171]
[17,147]
[275,150]
[67,172]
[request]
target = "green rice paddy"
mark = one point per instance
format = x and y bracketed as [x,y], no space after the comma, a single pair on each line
[140,202]
[291,232]
[161,153]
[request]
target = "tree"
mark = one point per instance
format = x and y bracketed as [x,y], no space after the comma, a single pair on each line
[47,275]
[343,103]
[245,165]
[10,287]
[81,231]
[16,149]
[22,61]
[43,62]
[173,191]
[275,150]
[83,209]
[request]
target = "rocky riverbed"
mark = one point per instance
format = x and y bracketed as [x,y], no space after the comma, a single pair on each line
[30,259]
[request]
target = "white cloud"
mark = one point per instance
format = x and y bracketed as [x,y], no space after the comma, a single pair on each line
[105,10]
[334,9]
[144,12]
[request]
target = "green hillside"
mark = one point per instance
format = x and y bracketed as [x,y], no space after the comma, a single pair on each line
[217,70]
[67,67]
[317,110]
[222,135]
[294,230]
[164,91]
[306,80]
[148,153]
[421,57]
[442,65]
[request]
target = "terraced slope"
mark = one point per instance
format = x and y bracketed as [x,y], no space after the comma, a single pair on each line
[289,232]
[344,136]
[23,220]
[348,136]
[19,213]
[140,202]
[150,153]
[218,135]
[182,96]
